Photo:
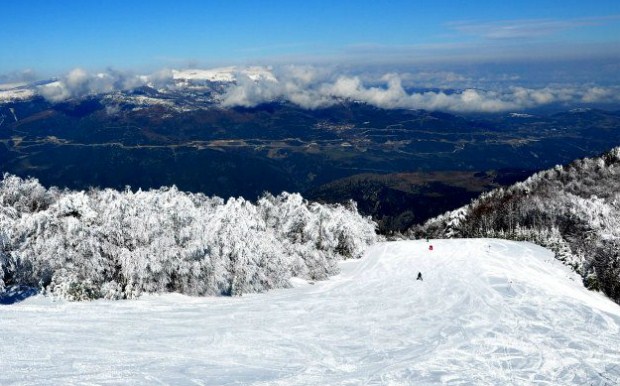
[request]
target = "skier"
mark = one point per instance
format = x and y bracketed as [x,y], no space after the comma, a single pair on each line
[420,276]
[430,247]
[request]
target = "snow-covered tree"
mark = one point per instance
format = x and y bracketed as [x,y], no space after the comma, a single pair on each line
[574,210]
[119,244]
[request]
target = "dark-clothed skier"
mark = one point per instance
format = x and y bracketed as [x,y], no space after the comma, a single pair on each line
[420,276]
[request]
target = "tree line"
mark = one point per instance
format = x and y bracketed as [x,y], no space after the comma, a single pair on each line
[574,210]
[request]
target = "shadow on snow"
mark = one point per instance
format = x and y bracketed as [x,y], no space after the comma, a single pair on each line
[16,294]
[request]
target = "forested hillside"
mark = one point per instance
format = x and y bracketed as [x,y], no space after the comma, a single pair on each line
[573,210]
[119,244]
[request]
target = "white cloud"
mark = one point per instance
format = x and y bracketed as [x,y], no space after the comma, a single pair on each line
[599,94]
[315,87]
[24,76]
[388,92]
[528,28]
[79,83]
[55,91]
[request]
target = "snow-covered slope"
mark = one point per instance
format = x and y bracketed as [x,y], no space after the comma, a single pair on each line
[16,94]
[573,210]
[223,74]
[487,312]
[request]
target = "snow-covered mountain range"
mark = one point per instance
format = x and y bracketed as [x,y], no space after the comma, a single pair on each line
[222,74]
[312,87]
[164,87]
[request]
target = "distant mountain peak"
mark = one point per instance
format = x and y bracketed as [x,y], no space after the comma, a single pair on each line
[223,74]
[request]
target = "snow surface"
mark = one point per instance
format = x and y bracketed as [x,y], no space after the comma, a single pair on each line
[520,115]
[224,74]
[488,312]
[16,95]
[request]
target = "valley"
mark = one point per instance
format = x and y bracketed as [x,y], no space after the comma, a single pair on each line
[277,147]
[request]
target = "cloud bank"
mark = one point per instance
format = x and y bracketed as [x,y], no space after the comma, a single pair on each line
[523,29]
[79,83]
[302,86]
[315,87]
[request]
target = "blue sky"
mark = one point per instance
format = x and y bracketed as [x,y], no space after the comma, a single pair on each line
[54,36]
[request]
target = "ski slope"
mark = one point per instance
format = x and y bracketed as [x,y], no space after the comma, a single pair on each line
[488,312]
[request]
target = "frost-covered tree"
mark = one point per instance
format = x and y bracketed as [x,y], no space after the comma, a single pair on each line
[606,265]
[255,260]
[574,210]
[120,244]
[316,235]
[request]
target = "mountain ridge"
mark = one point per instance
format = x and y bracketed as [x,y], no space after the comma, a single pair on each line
[572,209]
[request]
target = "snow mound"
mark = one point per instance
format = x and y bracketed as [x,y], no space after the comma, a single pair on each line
[487,312]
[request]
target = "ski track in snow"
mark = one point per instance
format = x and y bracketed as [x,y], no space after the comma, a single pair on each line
[505,314]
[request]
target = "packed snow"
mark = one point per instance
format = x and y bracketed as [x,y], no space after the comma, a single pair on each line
[486,312]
